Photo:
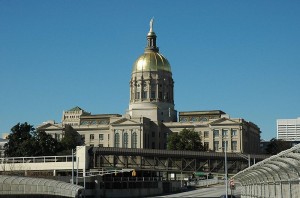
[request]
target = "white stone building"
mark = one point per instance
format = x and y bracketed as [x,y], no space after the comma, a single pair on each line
[151,115]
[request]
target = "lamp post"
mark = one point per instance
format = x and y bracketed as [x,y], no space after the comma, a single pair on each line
[225,160]
[72,166]
[226,182]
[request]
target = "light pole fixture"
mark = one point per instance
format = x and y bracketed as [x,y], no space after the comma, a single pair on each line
[225,161]
[226,179]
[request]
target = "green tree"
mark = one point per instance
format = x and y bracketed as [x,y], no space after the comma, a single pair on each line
[186,139]
[276,146]
[173,141]
[45,145]
[71,138]
[20,141]
[25,141]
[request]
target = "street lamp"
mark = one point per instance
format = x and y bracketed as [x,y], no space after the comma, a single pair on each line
[226,180]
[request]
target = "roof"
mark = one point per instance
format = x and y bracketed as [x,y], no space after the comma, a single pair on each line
[151,61]
[96,116]
[75,109]
[209,112]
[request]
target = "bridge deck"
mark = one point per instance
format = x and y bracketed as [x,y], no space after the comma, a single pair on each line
[166,160]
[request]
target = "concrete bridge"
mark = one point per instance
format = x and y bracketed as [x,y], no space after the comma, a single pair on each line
[51,165]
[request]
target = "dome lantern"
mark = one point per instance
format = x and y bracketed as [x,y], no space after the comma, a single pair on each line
[151,39]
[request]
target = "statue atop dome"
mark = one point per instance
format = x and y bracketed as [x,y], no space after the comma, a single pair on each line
[151,24]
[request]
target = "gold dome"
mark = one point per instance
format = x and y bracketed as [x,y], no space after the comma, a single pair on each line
[151,61]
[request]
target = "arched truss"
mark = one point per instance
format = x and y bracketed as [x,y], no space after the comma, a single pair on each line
[277,172]
[37,186]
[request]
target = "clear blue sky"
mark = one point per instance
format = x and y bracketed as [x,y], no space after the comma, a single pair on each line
[242,57]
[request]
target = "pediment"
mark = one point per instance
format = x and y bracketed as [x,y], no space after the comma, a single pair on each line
[224,121]
[125,121]
[49,126]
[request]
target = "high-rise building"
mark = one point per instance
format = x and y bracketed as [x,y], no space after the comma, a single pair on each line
[288,129]
[151,115]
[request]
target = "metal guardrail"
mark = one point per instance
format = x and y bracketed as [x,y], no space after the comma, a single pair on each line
[103,172]
[40,159]
[206,182]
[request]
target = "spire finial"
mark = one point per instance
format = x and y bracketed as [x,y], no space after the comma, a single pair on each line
[151,24]
[151,38]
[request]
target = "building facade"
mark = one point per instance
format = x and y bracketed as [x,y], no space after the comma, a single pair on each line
[288,129]
[2,143]
[151,115]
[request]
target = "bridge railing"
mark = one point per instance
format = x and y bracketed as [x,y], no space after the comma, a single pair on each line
[14,186]
[41,159]
[277,176]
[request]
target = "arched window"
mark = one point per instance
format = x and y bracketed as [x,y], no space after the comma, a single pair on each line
[125,140]
[134,140]
[117,140]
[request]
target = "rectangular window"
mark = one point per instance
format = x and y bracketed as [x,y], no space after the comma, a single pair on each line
[101,136]
[153,145]
[83,138]
[216,133]
[125,140]
[233,132]
[57,137]
[117,140]
[144,94]
[92,136]
[160,95]
[216,145]
[206,146]
[134,140]
[137,96]
[100,145]
[153,95]
[225,132]
[234,145]
[153,134]
[206,134]
[225,144]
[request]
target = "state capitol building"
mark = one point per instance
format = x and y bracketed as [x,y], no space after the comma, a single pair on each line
[151,115]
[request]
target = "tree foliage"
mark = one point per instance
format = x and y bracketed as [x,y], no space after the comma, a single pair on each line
[45,144]
[185,140]
[276,146]
[20,141]
[25,141]
[70,140]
